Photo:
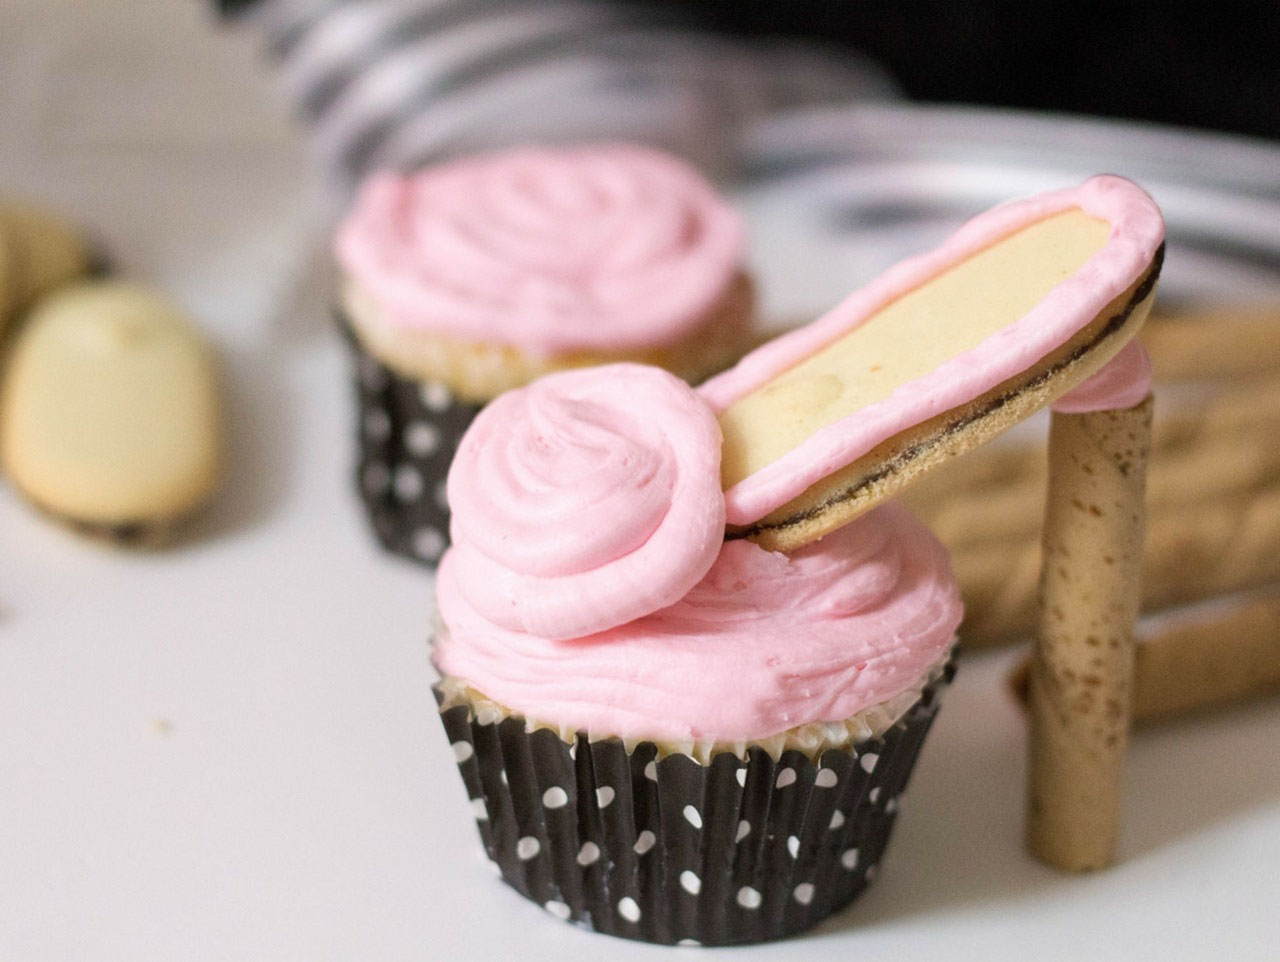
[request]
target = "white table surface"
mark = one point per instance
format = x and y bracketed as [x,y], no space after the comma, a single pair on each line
[228,751]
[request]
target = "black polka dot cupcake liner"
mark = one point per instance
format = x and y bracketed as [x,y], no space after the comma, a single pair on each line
[408,433]
[668,850]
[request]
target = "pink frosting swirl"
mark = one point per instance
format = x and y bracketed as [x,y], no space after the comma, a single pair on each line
[763,643]
[585,500]
[551,250]
[1123,382]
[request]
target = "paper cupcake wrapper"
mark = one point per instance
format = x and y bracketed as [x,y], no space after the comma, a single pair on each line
[667,850]
[408,432]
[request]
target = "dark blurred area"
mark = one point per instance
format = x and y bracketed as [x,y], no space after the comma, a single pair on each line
[1211,65]
[1184,62]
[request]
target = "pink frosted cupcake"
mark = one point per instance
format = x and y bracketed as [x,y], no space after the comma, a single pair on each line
[468,279]
[666,736]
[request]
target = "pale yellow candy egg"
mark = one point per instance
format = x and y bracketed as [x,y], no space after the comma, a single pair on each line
[109,408]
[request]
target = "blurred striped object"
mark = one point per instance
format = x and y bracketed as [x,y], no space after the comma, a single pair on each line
[398,83]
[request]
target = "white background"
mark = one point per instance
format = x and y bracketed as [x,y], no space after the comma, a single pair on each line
[228,750]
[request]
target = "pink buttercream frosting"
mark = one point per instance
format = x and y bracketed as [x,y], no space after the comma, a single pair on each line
[1123,382]
[587,499]
[551,250]
[1137,230]
[763,643]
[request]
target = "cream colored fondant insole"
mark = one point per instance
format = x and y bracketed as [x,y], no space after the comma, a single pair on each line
[949,315]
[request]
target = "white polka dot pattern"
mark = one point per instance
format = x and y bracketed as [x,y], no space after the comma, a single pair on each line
[407,435]
[421,439]
[648,854]
[408,483]
[435,396]
[428,544]
[555,798]
[749,898]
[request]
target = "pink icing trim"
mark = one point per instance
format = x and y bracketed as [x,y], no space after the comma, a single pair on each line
[763,643]
[585,500]
[550,250]
[1137,231]
[1123,382]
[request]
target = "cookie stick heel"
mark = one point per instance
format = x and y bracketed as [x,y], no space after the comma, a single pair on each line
[1082,666]
[1199,660]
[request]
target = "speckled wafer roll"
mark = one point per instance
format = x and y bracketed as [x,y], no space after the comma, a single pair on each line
[1210,660]
[1220,654]
[1198,551]
[1082,667]
[1213,516]
[975,513]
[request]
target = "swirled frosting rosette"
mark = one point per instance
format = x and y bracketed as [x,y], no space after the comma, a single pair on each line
[763,643]
[551,250]
[586,500]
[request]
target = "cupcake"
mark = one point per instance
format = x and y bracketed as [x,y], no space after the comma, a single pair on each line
[666,736]
[465,280]
[689,648]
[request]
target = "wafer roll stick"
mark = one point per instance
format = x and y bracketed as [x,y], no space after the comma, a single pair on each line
[1082,663]
[1221,343]
[1206,659]
[972,509]
[1210,662]
[1190,554]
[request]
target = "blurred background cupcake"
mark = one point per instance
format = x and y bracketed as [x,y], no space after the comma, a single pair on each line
[467,279]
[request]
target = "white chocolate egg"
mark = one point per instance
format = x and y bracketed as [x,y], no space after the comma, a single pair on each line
[109,408]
